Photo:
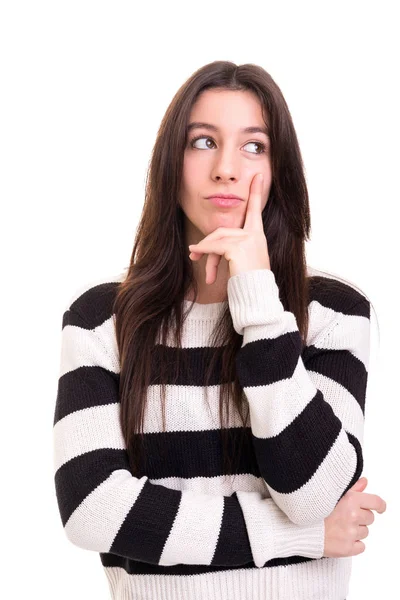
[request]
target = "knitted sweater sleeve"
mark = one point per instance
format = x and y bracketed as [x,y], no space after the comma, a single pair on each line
[104,508]
[306,408]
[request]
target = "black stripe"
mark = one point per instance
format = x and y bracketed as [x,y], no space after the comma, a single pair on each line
[266,361]
[338,296]
[85,387]
[81,475]
[96,304]
[182,454]
[194,361]
[229,550]
[90,386]
[282,459]
[147,526]
[133,567]
[340,366]
[191,454]
[360,462]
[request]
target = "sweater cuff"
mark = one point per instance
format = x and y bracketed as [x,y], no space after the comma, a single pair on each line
[253,298]
[303,540]
[273,535]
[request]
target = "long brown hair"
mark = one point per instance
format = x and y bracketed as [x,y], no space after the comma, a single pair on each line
[160,272]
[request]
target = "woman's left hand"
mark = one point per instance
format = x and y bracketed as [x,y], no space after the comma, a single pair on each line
[244,248]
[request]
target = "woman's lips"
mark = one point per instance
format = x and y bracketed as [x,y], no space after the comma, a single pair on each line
[225,202]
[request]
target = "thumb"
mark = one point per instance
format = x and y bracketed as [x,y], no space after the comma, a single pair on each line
[360,485]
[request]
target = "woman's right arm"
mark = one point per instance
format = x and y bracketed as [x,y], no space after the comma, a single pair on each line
[104,508]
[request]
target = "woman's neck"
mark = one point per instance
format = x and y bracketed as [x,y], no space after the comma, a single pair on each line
[210,293]
[211,297]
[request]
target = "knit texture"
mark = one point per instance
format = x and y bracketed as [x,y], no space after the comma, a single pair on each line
[183,529]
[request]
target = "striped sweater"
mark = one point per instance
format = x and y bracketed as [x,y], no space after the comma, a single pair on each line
[182,530]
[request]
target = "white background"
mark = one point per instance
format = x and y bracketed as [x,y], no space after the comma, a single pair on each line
[84,88]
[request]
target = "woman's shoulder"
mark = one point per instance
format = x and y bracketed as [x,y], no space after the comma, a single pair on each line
[94,300]
[333,300]
[335,292]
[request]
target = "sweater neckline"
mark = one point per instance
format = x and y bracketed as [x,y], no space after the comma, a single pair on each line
[201,312]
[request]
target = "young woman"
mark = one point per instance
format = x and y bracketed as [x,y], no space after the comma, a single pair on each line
[209,420]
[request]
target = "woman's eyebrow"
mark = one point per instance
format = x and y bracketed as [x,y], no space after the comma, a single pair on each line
[199,124]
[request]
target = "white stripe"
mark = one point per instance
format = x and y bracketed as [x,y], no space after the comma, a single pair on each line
[107,336]
[222,484]
[343,403]
[350,328]
[321,318]
[82,348]
[352,333]
[274,407]
[186,409]
[194,534]
[87,430]
[97,520]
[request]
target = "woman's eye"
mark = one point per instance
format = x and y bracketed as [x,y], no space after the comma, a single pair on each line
[258,144]
[195,140]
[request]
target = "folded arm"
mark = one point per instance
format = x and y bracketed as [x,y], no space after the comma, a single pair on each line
[306,407]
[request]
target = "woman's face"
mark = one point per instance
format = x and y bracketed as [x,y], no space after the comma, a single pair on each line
[223,161]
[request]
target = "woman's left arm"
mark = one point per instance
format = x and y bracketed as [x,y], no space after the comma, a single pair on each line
[306,407]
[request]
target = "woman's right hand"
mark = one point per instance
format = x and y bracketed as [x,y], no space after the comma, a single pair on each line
[347,524]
